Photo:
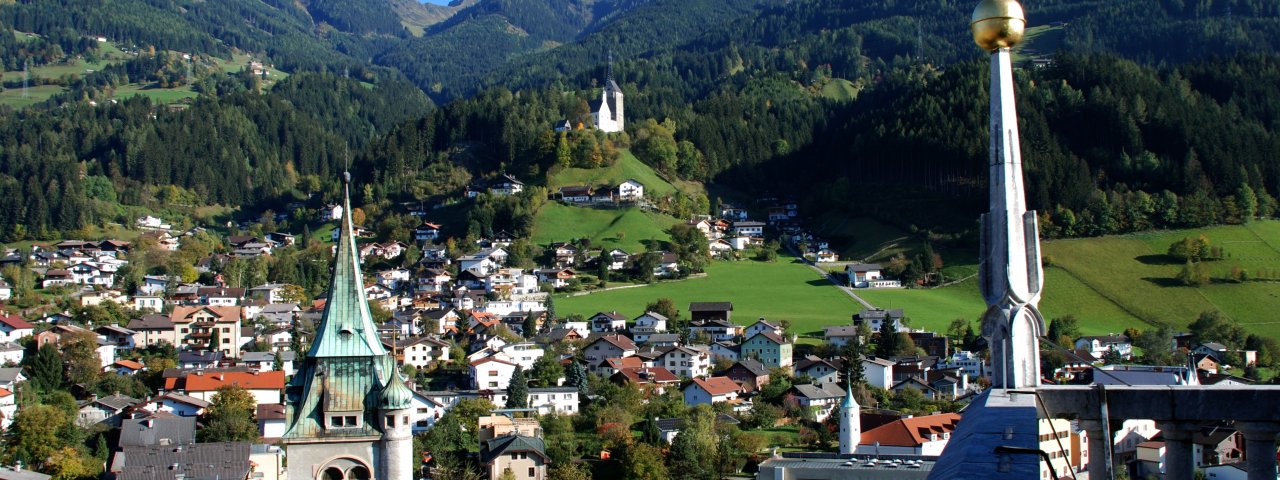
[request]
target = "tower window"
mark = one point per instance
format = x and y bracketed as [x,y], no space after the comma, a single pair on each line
[391,420]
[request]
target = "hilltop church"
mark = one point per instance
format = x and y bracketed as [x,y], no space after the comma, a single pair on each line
[608,118]
[348,407]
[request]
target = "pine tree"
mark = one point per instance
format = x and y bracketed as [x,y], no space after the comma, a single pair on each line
[518,390]
[887,346]
[576,376]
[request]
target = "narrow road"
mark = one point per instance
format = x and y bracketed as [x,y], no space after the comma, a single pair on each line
[831,278]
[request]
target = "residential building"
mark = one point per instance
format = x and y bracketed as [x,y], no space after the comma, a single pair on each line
[515,456]
[749,373]
[762,325]
[874,317]
[923,435]
[153,329]
[208,328]
[862,275]
[271,420]
[179,404]
[748,228]
[608,346]
[822,371]
[878,372]
[108,410]
[769,348]
[1099,346]
[266,387]
[654,380]
[491,373]
[13,328]
[686,362]
[819,399]
[222,460]
[505,185]
[704,311]
[711,390]
[605,322]
[716,330]
[630,191]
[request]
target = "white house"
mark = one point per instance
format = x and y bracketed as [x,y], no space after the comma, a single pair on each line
[878,372]
[523,354]
[426,410]
[748,228]
[605,322]
[685,362]
[711,390]
[483,261]
[505,185]
[491,373]
[630,191]
[331,211]
[1098,346]
[148,303]
[6,291]
[8,408]
[864,275]
[13,328]
[11,353]
[821,399]
[561,400]
[760,326]
[608,346]
[271,420]
[968,362]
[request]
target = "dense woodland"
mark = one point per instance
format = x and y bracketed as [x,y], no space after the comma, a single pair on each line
[1123,134]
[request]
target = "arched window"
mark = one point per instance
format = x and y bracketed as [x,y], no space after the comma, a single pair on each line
[331,473]
[358,473]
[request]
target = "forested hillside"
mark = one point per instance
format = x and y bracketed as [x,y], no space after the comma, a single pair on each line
[1163,114]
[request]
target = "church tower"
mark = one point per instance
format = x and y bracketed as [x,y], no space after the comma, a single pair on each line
[609,116]
[850,423]
[347,407]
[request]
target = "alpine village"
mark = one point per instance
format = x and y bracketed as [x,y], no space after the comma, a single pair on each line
[639,239]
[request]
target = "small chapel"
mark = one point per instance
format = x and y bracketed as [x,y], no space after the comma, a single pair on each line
[348,408]
[608,117]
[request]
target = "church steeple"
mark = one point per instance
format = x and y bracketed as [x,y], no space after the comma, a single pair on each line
[850,422]
[348,396]
[347,327]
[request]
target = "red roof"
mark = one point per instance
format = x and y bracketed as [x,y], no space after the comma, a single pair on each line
[490,359]
[208,382]
[619,341]
[718,385]
[911,432]
[624,362]
[15,322]
[5,392]
[648,375]
[129,364]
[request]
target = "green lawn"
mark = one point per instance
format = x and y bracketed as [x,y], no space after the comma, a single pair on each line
[840,89]
[625,228]
[627,167]
[781,290]
[13,96]
[1112,283]
[1039,40]
[158,95]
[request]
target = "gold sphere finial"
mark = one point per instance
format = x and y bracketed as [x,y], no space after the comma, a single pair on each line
[998,24]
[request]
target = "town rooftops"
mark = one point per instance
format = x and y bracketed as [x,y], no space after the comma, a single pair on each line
[648,375]
[115,402]
[175,430]
[773,337]
[154,321]
[619,341]
[710,306]
[202,382]
[200,357]
[11,473]
[862,267]
[752,366]
[511,444]
[911,432]
[717,385]
[184,399]
[15,322]
[270,411]
[814,392]
[225,460]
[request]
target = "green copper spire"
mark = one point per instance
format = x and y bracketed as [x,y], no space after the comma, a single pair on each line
[347,376]
[849,402]
[346,329]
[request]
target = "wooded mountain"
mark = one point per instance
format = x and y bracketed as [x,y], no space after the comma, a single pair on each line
[1164,113]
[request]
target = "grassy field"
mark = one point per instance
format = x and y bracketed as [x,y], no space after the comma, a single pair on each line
[1039,40]
[627,167]
[785,289]
[1112,283]
[625,228]
[110,54]
[840,89]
